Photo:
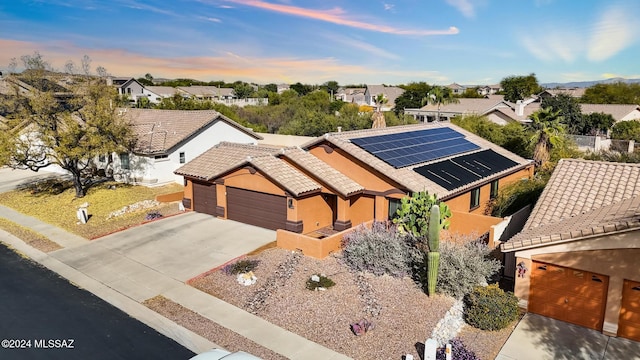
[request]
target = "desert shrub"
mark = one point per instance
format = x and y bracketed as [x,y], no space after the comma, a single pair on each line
[463,266]
[379,250]
[153,215]
[490,308]
[322,282]
[240,266]
[459,351]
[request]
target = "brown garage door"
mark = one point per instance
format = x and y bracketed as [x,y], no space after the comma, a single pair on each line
[204,198]
[256,208]
[629,323]
[570,295]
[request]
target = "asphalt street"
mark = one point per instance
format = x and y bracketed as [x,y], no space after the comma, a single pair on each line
[43,316]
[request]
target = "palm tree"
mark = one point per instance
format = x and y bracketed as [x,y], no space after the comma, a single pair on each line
[439,96]
[378,116]
[548,132]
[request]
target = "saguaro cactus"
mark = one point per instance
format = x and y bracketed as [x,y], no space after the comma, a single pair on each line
[433,257]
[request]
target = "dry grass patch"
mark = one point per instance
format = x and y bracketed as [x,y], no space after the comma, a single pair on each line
[32,238]
[54,202]
[208,329]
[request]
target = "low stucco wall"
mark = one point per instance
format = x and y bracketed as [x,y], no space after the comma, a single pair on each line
[465,223]
[176,196]
[316,248]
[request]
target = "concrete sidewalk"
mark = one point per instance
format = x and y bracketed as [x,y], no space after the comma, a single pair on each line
[125,281]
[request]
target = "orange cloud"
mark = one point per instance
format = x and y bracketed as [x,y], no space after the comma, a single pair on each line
[227,67]
[337,16]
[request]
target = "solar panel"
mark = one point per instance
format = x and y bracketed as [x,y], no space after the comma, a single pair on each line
[414,147]
[459,171]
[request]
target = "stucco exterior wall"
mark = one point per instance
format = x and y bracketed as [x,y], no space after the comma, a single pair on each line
[462,201]
[315,212]
[615,256]
[244,179]
[353,169]
[361,209]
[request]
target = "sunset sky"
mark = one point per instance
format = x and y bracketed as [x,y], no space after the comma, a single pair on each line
[352,42]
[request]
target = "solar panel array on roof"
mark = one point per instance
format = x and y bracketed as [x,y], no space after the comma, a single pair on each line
[465,169]
[414,147]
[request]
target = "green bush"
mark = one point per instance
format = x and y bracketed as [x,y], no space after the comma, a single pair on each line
[490,308]
[324,282]
[464,265]
[240,267]
[379,250]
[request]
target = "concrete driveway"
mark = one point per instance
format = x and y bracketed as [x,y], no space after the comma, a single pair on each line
[11,179]
[539,338]
[146,260]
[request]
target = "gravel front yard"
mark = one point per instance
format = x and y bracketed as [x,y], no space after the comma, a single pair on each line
[403,315]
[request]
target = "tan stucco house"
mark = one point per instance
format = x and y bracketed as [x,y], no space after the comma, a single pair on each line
[343,179]
[578,256]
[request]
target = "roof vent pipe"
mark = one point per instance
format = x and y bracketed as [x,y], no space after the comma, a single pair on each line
[339,128]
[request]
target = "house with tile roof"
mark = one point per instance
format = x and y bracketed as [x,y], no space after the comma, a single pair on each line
[344,179]
[127,86]
[576,259]
[167,139]
[391,93]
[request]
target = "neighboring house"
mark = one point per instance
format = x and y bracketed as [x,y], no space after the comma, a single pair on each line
[220,95]
[391,93]
[577,256]
[352,95]
[169,138]
[456,89]
[157,93]
[344,179]
[573,92]
[494,107]
[501,112]
[282,88]
[127,86]
[489,89]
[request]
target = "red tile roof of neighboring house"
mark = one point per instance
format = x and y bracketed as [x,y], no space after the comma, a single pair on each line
[583,198]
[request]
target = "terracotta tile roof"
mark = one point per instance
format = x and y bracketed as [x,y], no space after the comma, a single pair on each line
[323,171]
[579,186]
[573,92]
[618,111]
[228,156]
[613,218]
[284,174]
[160,130]
[220,159]
[406,176]
[206,91]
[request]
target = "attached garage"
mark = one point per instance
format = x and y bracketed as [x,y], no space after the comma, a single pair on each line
[629,323]
[204,198]
[575,296]
[256,208]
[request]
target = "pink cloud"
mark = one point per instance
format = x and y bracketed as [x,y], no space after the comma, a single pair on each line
[338,16]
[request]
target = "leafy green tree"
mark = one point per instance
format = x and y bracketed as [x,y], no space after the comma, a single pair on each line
[439,96]
[596,123]
[520,87]
[548,132]
[412,97]
[512,136]
[271,88]
[243,90]
[471,93]
[569,108]
[616,93]
[67,136]
[626,130]
[331,87]
[301,89]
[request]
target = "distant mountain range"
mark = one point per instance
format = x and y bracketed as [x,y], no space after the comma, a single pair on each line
[584,84]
